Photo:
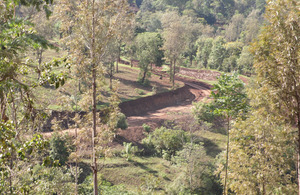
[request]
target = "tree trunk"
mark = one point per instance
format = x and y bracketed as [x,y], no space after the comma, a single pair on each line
[79,86]
[111,74]
[3,107]
[110,81]
[94,160]
[171,72]
[144,76]
[298,152]
[174,70]
[226,164]
[10,174]
[76,163]
[118,60]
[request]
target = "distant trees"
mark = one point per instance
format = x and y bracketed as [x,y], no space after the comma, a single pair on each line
[217,55]
[225,21]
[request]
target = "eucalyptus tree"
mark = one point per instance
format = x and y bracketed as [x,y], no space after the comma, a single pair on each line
[89,28]
[277,63]
[261,150]
[174,39]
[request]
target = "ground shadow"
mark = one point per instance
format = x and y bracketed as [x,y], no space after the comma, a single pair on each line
[142,166]
[211,148]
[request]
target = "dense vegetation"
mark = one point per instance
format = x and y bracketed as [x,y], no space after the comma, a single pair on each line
[68,53]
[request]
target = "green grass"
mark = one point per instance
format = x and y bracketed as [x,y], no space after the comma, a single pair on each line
[139,172]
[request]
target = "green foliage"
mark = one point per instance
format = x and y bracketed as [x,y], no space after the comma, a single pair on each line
[165,142]
[50,180]
[194,160]
[203,112]
[15,155]
[204,49]
[139,91]
[148,52]
[276,62]
[146,127]
[105,187]
[277,57]
[204,115]
[122,122]
[218,53]
[262,155]
[245,61]
[60,148]
[150,183]
[129,150]
[229,97]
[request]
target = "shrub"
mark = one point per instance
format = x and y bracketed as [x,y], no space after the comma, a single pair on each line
[129,150]
[60,148]
[122,122]
[146,127]
[165,142]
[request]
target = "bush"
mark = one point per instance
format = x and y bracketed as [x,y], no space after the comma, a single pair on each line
[60,148]
[165,142]
[147,128]
[129,150]
[122,122]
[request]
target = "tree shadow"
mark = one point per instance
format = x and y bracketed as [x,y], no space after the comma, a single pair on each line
[211,148]
[142,166]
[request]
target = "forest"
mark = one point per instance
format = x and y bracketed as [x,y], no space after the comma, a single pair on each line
[150,97]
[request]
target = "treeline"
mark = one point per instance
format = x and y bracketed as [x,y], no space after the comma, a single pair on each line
[216,34]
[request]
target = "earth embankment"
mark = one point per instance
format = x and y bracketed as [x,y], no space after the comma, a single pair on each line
[143,105]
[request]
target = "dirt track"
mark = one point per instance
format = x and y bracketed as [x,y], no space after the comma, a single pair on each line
[135,132]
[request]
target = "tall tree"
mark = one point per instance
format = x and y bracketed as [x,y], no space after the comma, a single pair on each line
[277,62]
[148,52]
[229,101]
[173,34]
[89,27]
[218,53]
[204,49]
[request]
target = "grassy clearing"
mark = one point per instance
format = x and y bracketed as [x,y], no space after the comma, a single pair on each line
[141,173]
